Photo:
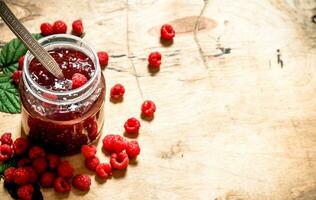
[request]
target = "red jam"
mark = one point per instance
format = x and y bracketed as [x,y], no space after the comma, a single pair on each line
[70,61]
[62,128]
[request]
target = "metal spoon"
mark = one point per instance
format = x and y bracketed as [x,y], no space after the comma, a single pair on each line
[32,45]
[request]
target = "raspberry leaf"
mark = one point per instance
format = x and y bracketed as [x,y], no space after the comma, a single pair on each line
[9,57]
[10,69]
[9,95]
[12,51]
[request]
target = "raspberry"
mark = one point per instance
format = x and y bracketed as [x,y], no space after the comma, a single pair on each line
[61,185]
[25,192]
[77,27]
[132,149]
[9,175]
[117,92]
[148,108]
[32,174]
[132,126]
[6,139]
[88,151]
[107,142]
[119,160]
[40,164]
[53,161]
[65,170]
[20,146]
[47,29]
[5,152]
[23,162]
[59,27]
[81,182]
[167,32]
[103,59]
[16,76]
[154,59]
[91,163]
[21,176]
[47,179]
[114,143]
[78,80]
[35,152]
[104,170]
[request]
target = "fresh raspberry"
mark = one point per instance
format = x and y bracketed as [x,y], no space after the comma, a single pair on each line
[132,149]
[47,179]
[65,170]
[35,152]
[114,143]
[53,161]
[6,138]
[61,185]
[104,170]
[77,27]
[25,192]
[5,152]
[23,162]
[88,151]
[81,182]
[132,126]
[40,164]
[107,142]
[103,59]
[78,80]
[92,163]
[59,27]
[20,146]
[47,29]
[148,108]
[154,59]
[167,32]
[119,160]
[21,176]
[32,174]
[117,92]
[9,175]
[16,76]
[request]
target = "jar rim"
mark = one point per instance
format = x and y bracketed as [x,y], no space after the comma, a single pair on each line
[27,75]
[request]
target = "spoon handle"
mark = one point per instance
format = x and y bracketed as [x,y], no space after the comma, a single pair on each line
[32,45]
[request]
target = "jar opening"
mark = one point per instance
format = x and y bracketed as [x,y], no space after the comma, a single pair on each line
[69,96]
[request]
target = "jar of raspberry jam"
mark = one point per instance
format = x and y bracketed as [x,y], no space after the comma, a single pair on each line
[55,115]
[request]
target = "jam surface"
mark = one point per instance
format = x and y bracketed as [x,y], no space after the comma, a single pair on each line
[70,61]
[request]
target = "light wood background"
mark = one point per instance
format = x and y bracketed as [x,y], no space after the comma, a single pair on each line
[236,102]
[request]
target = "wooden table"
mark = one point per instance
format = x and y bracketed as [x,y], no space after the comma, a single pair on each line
[236,117]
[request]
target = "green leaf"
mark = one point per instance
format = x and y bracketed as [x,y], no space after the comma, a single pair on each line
[9,163]
[10,69]
[9,95]
[12,51]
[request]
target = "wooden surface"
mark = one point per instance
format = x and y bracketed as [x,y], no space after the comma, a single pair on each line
[236,95]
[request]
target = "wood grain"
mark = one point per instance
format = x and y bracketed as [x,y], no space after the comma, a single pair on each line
[235,95]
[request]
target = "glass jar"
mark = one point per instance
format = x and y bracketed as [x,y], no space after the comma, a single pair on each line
[62,121]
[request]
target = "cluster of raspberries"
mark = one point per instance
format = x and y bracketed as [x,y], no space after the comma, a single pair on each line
[121,151]
[35,165]
[60,27]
